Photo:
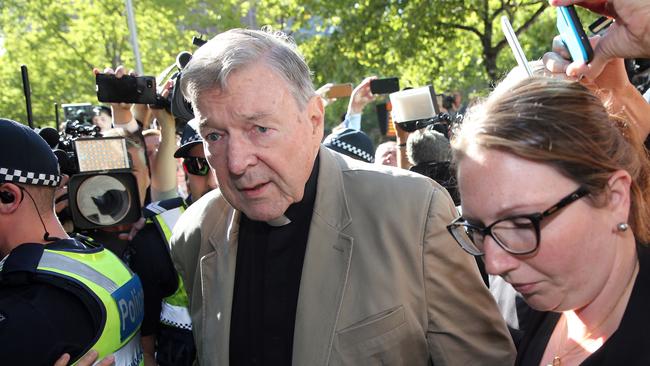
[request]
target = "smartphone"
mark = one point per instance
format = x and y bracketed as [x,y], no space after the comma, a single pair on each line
[573,35]
[384,86]
[127,89]
[340,91]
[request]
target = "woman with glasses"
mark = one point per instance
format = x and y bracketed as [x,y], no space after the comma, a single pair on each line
[554,197]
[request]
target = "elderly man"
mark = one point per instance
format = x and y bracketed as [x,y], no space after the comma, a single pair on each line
[301,257]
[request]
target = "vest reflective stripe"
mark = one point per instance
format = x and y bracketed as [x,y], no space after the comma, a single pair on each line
[118,290]
[175,316]
[61,262]
[167,220]
[174,308]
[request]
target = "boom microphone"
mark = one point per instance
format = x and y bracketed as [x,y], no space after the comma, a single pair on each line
[50,135]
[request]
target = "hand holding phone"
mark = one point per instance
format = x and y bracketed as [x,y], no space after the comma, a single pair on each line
[127,89]
[573,35]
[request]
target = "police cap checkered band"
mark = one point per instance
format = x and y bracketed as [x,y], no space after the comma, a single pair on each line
[353,149]
[353,143]
[37,179]
[25,157]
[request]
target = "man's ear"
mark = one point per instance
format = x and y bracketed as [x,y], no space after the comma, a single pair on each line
[10,198]
[619,194]
[316,115]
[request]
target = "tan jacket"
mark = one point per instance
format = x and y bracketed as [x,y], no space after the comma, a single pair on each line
[382,282]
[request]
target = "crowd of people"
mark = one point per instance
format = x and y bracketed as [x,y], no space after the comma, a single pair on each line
[517,234]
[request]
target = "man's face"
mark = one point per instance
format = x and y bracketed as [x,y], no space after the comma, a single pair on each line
[199,184]
[103,121]
[260,144]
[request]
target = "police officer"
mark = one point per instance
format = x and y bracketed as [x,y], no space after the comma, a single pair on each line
[167,328]
[58,295]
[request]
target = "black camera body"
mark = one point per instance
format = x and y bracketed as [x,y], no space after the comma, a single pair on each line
[180,108]
[102,191]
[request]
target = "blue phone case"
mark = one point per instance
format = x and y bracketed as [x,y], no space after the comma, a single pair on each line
[573,36]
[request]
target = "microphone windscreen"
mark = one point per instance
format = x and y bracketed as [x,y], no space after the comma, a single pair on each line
[182,59]
[50,135]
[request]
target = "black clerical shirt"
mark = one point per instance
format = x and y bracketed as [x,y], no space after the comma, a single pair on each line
[267,281]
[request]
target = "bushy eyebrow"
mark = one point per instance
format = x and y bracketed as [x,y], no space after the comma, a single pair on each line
[250,118]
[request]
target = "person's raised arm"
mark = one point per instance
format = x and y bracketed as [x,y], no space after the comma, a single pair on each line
[611,84]
[628,37]
[163,179]
[361,96]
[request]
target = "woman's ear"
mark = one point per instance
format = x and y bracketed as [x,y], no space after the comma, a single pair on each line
[619,194]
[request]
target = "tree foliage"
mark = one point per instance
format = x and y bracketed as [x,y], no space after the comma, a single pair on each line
[452,44]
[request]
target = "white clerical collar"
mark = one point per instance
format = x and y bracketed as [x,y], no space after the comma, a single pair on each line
[280,221]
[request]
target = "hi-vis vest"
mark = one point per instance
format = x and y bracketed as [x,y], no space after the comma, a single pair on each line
[165,214]
[115,287]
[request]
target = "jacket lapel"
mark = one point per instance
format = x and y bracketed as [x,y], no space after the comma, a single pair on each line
[325,268]
[217,281]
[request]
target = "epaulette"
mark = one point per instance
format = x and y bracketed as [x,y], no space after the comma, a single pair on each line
[158,207]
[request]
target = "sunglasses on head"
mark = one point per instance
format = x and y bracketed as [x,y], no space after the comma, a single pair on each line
[196,166]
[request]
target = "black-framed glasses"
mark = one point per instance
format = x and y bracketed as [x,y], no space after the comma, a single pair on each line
[196,166]
[518,234]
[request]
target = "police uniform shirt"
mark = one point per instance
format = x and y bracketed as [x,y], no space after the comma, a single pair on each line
[40,321]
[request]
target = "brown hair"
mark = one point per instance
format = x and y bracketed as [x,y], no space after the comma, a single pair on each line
[564,125]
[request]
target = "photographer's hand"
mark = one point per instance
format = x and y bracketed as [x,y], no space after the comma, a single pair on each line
[628,37]
[322,92]
[122,115]
[612,85]
[361,96]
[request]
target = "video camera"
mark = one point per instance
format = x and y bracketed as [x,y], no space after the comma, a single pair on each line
[180,108]
[414,109]
[102,191]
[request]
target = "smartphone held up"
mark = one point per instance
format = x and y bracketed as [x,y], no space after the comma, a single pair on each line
[127,89]
[573,35]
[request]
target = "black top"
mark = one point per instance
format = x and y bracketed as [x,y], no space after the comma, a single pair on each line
[629,345]
[43,317]
[267,281]
[149,258]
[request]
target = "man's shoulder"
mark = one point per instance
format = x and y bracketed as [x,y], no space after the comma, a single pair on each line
[387,176]
[203,215]
[42,313]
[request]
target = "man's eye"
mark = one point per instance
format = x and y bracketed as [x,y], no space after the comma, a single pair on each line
[213,136]
[262,129]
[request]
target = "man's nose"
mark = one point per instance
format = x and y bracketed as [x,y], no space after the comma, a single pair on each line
[240,154]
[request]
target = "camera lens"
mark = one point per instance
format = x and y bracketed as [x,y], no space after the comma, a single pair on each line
[103,200]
